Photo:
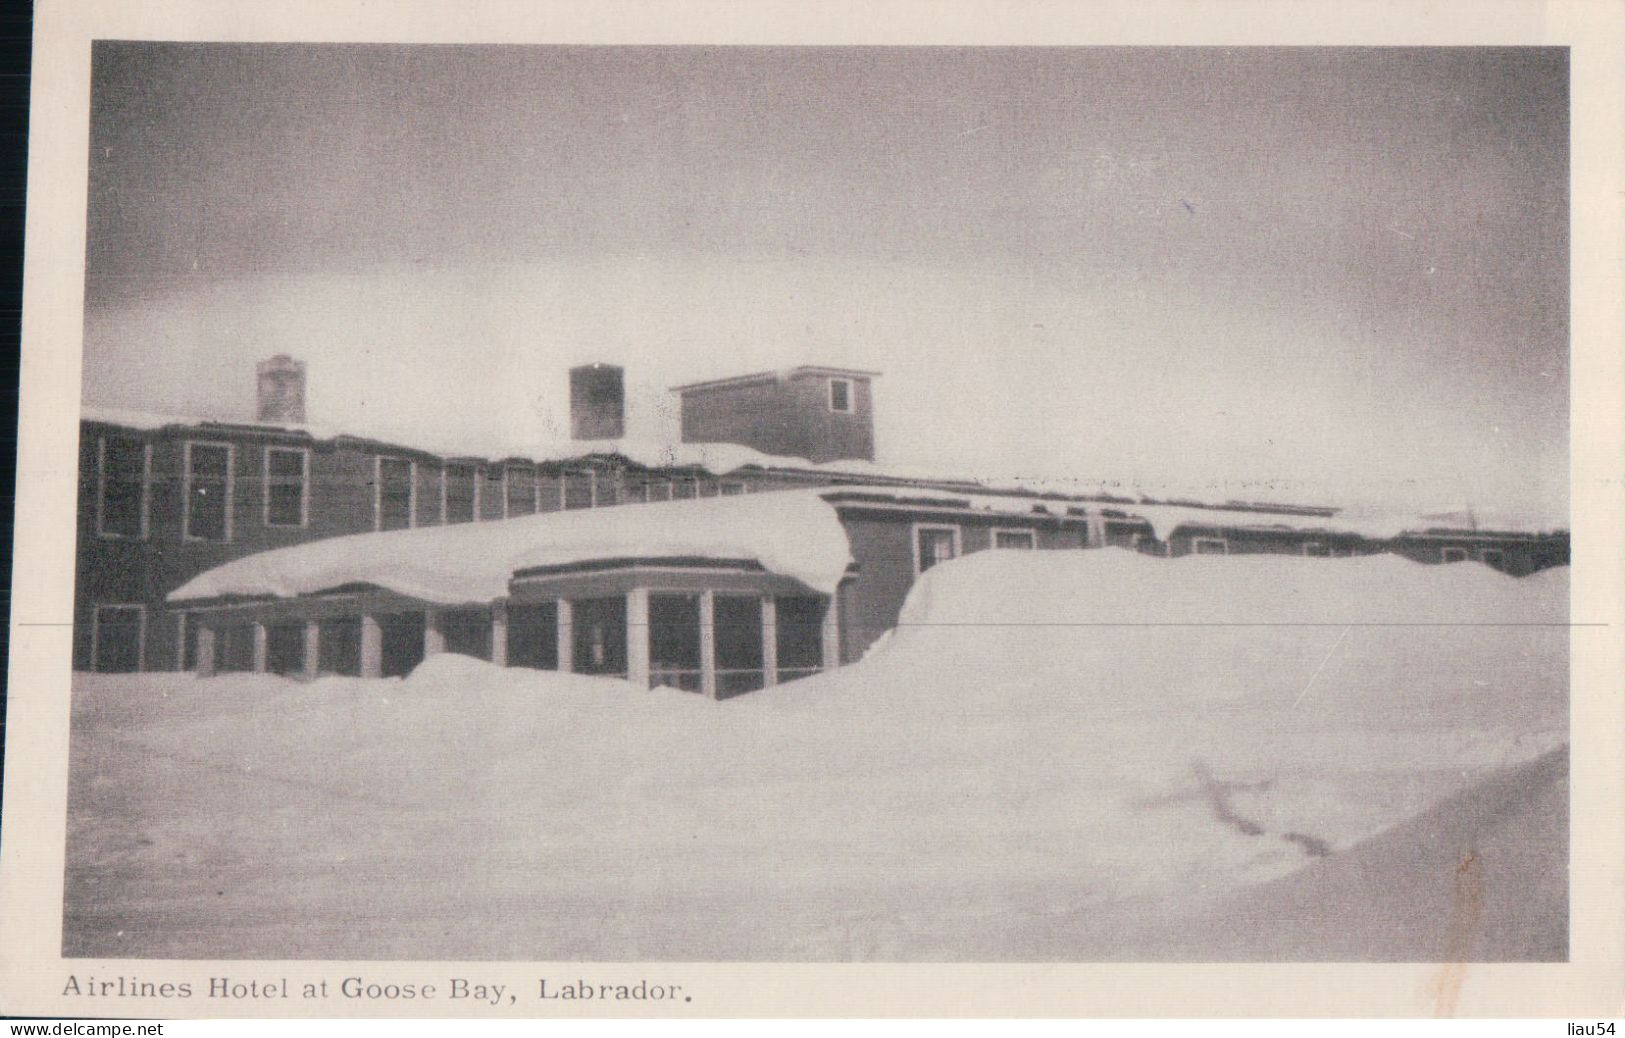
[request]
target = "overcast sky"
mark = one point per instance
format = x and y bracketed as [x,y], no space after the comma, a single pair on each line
[1268,273]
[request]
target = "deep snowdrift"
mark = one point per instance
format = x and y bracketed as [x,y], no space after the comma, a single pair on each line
[1057,755]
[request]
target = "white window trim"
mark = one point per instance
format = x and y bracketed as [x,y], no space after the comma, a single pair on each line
[101,490]
[851,396]
[304,488]
[186,489]
[1463,556]
[443,467]
[96,633]
[378,491]
[1197,542]
[1024,531]
[914,531]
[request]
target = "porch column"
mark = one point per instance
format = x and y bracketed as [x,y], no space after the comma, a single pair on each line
[832,632]
[567,637]
[770,640]
[499,634]
[434,633]
[205,651]
[313,648]
[637,636]
[372,647]
[708,644]
[262,643]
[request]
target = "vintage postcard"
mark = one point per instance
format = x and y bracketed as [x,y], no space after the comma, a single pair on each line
[748,509]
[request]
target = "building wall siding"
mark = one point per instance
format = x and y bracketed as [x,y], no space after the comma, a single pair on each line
[788,417]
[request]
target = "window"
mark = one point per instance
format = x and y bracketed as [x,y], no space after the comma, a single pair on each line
[125,469]
[520,485]
[400,637]
[684,489]
[287,473]
[339,646]
[1210,546]
[934,544]
[840,395]
[533,635]
[396,493]
[208,491]
[659,490]
[549,493]
[493,498]
[599,629]
[117,635]
[285,648]
[737,626]
[578,490]
[730,489]
[461,482]
[1015,539]
[1454,555]
[1493,557]
[467,632]
[1318,549]
[674,641]
[234,648]
[605,490]
[708,488]
[1130,534]
[799,621]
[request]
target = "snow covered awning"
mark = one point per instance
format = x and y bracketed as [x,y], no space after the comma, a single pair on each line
[790,533]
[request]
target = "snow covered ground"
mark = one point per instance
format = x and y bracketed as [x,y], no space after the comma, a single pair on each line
[1089,755]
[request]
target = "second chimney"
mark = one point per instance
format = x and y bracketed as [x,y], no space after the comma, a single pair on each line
[281,390]
[597,402]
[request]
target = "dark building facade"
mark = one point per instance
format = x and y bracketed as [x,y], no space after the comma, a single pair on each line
[164,499]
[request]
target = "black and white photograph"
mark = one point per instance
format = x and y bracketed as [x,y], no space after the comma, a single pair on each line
[820,504]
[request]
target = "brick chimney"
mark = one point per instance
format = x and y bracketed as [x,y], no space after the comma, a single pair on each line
[281,390]
[597,402]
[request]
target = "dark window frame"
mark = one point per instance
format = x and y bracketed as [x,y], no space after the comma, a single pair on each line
[190,480]
[102,483]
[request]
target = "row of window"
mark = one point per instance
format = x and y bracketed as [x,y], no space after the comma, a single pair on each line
[598,644]
[124,476]
[938,543]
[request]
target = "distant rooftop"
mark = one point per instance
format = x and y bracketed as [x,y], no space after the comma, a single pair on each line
[766,376]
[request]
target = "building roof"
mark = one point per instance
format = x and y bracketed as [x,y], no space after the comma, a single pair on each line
[793,533]
[770,376]
[722,459]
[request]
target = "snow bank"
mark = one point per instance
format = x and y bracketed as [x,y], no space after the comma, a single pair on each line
[1054,753]
[792,533]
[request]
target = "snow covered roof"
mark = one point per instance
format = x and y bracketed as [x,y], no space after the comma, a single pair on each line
[788,373]
[716,458]
[793,533]
[721,459]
